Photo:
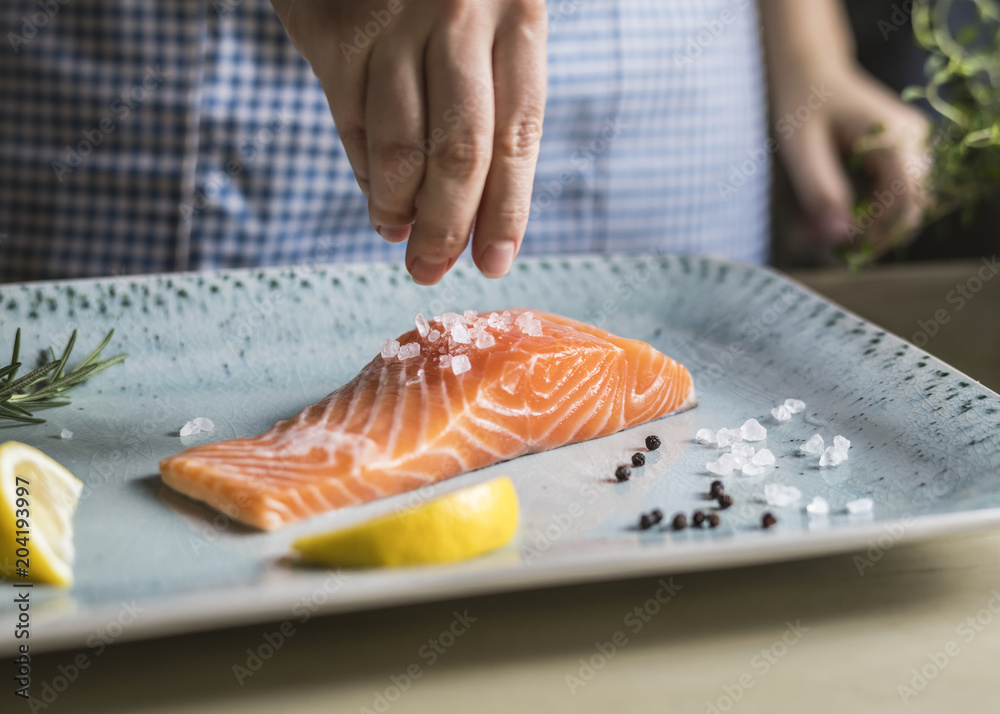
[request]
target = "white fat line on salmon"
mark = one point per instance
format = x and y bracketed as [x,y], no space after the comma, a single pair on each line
[274,640]
[429,652]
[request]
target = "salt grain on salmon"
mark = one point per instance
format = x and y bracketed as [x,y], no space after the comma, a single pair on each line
[390,348]
[433,336]
[423,327]
[410,349]
[392,429]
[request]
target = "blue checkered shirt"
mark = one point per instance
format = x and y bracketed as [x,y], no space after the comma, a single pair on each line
[152,136]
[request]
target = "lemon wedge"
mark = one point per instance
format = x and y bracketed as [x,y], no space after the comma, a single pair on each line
[458,526]
[37,500]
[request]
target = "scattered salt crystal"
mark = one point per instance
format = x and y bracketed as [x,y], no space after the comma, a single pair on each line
[725,437]
[450,319]
[422,325]
[65,434]
[433,336]
[814,445]
[794,405]
[832,456]
[818,507]
[764,457]
[742,449]
[390,348]
[445,361]
[523,318]
[705,436]
[719,468]
[753,431]
[752,469]
[460,364]
[841,443]
[484,340]
[532,328]
[189,429]
[470,315]
[861,505]
[779,495]
[738,460]
[460,333]
[204,424]
[781,413]
[411,349]
[493,320]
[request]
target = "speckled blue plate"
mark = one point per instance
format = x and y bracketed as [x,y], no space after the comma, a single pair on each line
[248,348]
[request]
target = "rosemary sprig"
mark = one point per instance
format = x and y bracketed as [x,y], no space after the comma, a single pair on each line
[42,387]
[963,87]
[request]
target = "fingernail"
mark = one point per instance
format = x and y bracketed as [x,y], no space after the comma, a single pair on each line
[428,271]
[393,235]
[496,259]
[832,226]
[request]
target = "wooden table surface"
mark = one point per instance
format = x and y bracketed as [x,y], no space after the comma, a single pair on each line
[919,631]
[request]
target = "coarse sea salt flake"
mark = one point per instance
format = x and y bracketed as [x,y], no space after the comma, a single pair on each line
[764,457]
[410,349]
[840,442]
[753,431]
[65,434]
[832,456]
[204,424]
[818,507]
[815,445]
[781,413]
[423,327]
[484,340]
[470,315]
[390,348]
[532,328]
[725,437]
[794,405]
[460,333]
[742,450]
[752,469]
[719,468]
[705,436]
[189,429]
[460,364]
[433,336]
[445,361]
[493,320]
[450,319]
[861,505]
[779,495]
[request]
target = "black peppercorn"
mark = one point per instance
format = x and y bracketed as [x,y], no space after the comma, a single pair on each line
[646,522]
[657,514]
[638,459]
[713,520]
[680,522]
[768,520]
[652,442]
[725,500]
[715,489]
[698,517]
[623,473]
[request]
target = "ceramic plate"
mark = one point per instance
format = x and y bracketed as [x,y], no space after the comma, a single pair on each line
[247,348]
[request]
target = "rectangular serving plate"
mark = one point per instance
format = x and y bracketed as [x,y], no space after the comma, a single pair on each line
[246,348]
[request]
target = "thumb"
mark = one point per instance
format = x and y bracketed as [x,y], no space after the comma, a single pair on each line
[820,181]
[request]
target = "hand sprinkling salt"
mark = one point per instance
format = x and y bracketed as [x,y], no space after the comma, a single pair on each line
[781,413]
[460,364]
[818,507]
[753,431]
[861,505]
[390,348]
[423,327]
[814,445]
[706,436]
[779,495]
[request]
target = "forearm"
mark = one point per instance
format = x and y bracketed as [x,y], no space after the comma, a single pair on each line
[805,38]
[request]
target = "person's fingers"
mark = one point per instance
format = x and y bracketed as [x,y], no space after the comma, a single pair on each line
[824,190]
[519,58]
[344,81]
[460,123]
[395,124]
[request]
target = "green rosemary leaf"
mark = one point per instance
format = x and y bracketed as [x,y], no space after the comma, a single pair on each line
[27,380]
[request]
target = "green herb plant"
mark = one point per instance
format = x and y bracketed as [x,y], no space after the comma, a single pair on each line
[963,87]
[44,386]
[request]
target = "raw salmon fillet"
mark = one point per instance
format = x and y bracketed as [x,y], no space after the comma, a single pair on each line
[533,381]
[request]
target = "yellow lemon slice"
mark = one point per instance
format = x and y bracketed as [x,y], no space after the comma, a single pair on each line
[37,500]
[458,526]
